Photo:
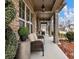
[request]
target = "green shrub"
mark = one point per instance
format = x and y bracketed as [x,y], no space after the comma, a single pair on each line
[23,32]
[10,38]
[70,36]
[8,3]
[10,44]
[10,12]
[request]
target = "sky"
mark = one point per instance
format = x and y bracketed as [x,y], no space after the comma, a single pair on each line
[67,13]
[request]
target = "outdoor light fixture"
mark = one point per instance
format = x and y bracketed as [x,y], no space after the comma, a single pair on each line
[43,7]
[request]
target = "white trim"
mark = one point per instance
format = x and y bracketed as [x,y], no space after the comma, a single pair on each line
[25,16]
[24,21]
[30,21]
[43,21]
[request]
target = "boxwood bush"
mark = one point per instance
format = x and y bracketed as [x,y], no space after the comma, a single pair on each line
[10,44]
[70,36]
[10,12]
[10,38]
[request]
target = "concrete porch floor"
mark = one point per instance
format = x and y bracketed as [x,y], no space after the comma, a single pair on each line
[51,51]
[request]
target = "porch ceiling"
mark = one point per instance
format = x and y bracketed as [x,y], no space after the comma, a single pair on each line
[50,7]
[47,3]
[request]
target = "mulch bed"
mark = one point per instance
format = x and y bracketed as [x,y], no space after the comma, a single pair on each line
[68,48]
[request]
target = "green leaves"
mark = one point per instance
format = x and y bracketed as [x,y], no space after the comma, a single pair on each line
[23,31]
[10,44]
[9,14]
[10,38]
[70,36]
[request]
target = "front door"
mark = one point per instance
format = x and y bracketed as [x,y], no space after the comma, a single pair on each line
[44,27]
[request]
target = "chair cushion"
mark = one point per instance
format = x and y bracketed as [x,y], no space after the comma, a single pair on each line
[35,36]
[31,37]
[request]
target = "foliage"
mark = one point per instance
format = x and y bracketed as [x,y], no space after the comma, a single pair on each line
[10,44]
[70,36]
[9,12]
[8,3]
[23,31]
[10,38]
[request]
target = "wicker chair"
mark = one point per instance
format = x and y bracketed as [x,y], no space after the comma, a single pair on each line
[36,44]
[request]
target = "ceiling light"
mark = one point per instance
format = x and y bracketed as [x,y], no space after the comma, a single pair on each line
[43,7]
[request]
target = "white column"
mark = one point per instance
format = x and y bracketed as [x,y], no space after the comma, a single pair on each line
[51,25]
[30,21]
[25,16]
[34,23]
[56,27]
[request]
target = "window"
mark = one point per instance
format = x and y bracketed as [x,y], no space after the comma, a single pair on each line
[21,23]
[27,16]
[24,15]
[21,9]
[21,13]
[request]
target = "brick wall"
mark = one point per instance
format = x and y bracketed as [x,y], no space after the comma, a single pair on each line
[15,23]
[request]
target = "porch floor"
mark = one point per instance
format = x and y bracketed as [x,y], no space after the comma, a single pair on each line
[51,51]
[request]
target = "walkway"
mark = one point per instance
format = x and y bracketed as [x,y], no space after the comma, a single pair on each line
[51,51]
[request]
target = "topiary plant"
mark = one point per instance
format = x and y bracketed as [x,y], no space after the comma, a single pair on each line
[70,36]
[23,32]
[10,12]
[10,44]
[10,38]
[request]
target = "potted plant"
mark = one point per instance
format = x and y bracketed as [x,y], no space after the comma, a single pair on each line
[23,33]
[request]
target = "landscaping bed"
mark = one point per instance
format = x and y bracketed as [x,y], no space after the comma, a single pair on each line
[68,48]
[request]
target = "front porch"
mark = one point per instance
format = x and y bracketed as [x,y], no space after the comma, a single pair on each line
[33,16]
[51,51]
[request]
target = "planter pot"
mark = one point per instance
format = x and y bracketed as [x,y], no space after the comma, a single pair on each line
[23,51]
[23,38]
